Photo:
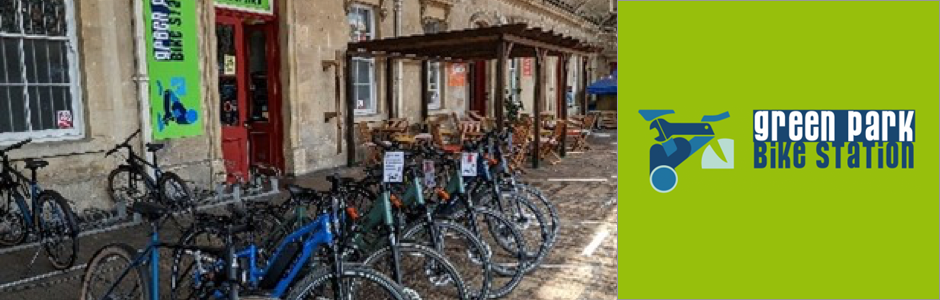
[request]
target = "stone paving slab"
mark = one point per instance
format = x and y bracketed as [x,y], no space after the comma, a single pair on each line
[587,210]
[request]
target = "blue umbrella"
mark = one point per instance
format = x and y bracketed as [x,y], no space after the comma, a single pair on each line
[604,86]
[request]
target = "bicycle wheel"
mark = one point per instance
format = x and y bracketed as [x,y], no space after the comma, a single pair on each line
[13,229]
[59,229]
[174,191]
[358,282]
[462,248]
[533,194]
[530,222]
[126,185]
[187,281]
[425,274]
[104,272]
[506,262]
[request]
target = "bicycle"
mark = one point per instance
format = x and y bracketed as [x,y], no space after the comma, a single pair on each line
[48,214]
[297,251]
[128,178]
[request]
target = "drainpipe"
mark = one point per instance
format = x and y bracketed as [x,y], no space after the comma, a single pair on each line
[398,63]
[142,78]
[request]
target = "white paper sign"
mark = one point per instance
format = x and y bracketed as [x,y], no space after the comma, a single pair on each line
[428,169]
[468,164]
[394,166]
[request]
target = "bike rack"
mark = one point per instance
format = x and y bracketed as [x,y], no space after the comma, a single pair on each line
[92,222]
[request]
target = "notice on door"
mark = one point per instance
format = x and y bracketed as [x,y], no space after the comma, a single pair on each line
[173,66]
[231,65]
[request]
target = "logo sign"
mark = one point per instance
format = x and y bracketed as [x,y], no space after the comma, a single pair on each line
[468,164]
[678,141]
[253,6]
[394,167]
[527,66]
[429,173]
[173,66]
[867,138]
[64,119]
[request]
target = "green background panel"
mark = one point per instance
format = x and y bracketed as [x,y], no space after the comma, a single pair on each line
[777,233]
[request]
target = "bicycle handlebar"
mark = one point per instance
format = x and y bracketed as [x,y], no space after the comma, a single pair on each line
[17,145]
[125,144]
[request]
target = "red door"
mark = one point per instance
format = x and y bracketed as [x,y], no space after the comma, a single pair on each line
[263,95]
[478,92]
[233,94]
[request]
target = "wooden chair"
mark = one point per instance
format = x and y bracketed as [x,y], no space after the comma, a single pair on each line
[439,140]
[522,139]
[549,145]
[371,150]
[470,130]
[579,132]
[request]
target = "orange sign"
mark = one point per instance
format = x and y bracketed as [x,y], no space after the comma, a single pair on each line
[457,75]
[527,66]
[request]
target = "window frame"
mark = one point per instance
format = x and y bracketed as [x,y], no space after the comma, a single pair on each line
[435,69]
[373,109]
[75,82]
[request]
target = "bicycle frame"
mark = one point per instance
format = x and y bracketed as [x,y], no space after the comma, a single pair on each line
[32,211]
[139,164]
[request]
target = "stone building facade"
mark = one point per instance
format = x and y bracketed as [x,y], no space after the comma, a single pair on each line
[98,82]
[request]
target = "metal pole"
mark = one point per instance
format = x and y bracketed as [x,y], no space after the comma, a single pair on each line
[350,111]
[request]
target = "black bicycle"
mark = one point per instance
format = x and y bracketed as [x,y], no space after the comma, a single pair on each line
[130,182]
[48,215]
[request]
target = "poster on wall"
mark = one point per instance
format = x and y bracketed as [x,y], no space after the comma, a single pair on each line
[457,75]
[253,6]
[527,66]
[173,66]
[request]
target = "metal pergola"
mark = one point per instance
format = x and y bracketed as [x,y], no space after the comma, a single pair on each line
[489,43]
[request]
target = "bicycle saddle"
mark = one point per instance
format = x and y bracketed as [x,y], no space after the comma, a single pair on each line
[34,164]
[150,211]
[154,147]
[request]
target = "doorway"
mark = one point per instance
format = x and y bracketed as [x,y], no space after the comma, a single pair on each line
[250,103]
[478,91]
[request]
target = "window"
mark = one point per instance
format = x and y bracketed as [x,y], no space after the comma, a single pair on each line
[39,93]
[362,28]
[434,68]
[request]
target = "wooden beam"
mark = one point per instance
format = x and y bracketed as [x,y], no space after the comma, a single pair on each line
[537,106]
[425,67]
[563,61]
[389,88]
[584,85]
[501,53]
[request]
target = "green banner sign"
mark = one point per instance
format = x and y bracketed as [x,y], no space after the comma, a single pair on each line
[173,66]
[255,6]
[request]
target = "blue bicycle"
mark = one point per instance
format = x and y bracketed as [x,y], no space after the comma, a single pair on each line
[119,272]
[49,215]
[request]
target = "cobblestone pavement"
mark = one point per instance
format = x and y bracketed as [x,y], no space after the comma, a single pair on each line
[582,266]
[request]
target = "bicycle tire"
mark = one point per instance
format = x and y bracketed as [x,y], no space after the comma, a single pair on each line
[506,263]
[536,193]
[413,280]
[138,276]
[13,219]
[470,252]
[177,283]
[66,229]
[133,175]
[524,221]
[323,278]
[184,196]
